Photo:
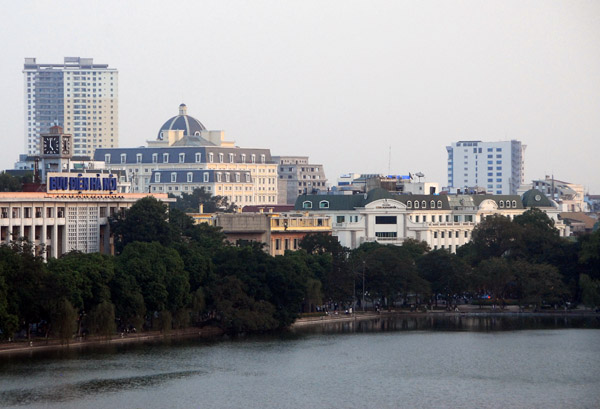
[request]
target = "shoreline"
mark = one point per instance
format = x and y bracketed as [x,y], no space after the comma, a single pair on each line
[39,344]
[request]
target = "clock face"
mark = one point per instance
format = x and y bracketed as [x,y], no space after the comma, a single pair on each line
[66,146]
[51,145]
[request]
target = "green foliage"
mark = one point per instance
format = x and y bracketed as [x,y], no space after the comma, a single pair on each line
[590,291]
[64,320]
[146,221]
[102,319]
[446,273]
[538,283]
[190,203]
[492,276]
[10,183]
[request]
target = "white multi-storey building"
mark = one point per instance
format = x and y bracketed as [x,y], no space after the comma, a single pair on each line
[498,167]
[186,156]
[442,221]
[78,95]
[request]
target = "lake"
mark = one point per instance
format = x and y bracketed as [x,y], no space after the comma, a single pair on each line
[395,362]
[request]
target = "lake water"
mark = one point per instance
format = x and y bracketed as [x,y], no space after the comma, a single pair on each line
[428,362]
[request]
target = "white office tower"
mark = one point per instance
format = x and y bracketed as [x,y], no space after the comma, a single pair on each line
[496,167]
[79,96]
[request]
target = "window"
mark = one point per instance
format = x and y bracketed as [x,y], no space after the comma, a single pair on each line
[157,177]
[409,204]
[165,158]
[138,158]
[307,205]
[198,157]
[385,219]
[231,157]
[243,158]
[248,178]
[181,157]
[219,177]
[205,177]
[386,234]
[262,158]
[220,158]
[154,157]
[173,177]
[340,219]
[210,157]
[237,177]
[190,177]
[435,234]
[439,204]
[253,158]
[323,204]
[107,158]
[417,219]
[424,204]
[442,233]
[227,177]
[514,204]
[432,204]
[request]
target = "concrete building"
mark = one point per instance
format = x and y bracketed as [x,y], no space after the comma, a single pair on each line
[185,154]
[569,196]
[496,166]
[296,176]
[351,183]
[78,95]
[443,221]
[278,231]
[72,214]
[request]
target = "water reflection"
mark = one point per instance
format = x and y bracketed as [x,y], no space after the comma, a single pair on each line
[454,322]
[71,391]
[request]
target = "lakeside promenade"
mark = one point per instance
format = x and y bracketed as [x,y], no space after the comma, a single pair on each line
[40,344]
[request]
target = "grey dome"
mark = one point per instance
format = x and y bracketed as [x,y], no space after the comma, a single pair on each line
[188,124]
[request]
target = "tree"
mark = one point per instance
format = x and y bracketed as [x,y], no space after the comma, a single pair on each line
[537,283]
[8,322]
[447,274]
[64,320]
[236,311]
[496,236]
[146,221]
[391,272]
[102,319]
[590,291]
[589,254]
[10,183]
[538,239]
[190,203]
[492,276]
[159,272]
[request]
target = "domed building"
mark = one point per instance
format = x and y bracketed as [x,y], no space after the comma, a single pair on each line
[182,122]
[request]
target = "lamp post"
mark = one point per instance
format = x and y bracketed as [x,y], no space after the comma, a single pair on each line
[363,289]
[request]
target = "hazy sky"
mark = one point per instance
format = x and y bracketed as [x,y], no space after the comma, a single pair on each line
[339,81]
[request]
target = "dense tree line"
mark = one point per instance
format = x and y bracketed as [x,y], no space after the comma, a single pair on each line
[169,273]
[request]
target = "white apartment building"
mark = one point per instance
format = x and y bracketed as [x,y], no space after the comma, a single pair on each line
[498,167]
[79,96]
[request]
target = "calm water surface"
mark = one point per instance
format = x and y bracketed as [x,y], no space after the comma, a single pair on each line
[441,362]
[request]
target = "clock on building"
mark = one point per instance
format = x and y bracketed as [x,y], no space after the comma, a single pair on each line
[66,145]
[51,145]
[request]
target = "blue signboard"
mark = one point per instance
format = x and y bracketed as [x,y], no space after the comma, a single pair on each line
[58,182]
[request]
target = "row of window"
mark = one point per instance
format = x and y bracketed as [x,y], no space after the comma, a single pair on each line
[508,204]
[423,204]
[197,158]
[205,177]
[443,234]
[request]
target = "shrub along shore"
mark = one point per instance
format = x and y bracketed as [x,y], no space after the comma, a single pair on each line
[171,276]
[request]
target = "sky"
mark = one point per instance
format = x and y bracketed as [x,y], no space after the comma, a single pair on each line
[358,86]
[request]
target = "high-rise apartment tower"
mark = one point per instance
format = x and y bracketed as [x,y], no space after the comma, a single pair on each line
[78,95]
[497,167]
